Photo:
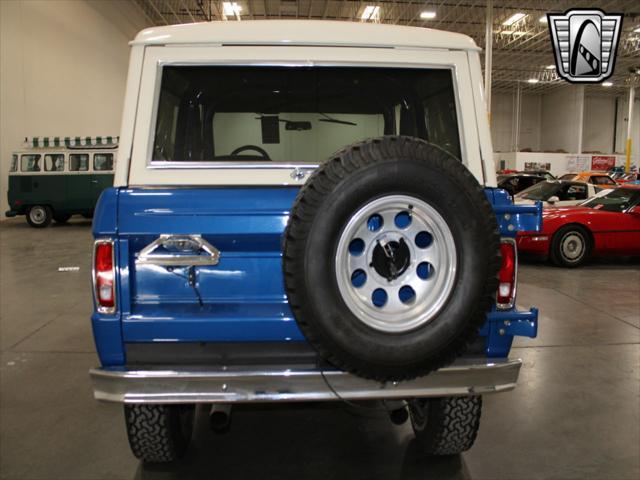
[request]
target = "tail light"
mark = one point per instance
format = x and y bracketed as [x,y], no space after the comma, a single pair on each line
[104,276]
[508,276]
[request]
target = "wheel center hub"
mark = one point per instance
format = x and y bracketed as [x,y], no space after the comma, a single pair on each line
[391,259]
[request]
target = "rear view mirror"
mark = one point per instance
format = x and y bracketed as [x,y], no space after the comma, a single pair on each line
[553,199]
[635,211]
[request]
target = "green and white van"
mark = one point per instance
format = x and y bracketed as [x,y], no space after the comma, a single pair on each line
[52,178]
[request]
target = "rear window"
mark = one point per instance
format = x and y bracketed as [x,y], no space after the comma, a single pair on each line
[602,180]
[297,115]
[617,200]
[79,162]
[30,163]
[103,161]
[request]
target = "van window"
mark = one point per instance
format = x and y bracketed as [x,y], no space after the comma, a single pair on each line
[103,161]
[289,115]
[14,163]
[30,163]
[79,162]
[54,162]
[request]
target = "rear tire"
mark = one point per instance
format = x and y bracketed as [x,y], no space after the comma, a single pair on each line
[61,217]
[39,216]
[570,246]
[447,425]
[159,433]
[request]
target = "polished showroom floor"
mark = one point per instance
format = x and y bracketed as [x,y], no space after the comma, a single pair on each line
[575,413]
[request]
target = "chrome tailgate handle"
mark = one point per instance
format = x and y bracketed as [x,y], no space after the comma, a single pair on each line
[179,251]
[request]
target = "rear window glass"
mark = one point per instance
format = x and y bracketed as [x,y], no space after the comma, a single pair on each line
[103,161]
[617,200]
[79,162]
[30,163]
[14,163]
[290,115]
[54,162]
[602,180]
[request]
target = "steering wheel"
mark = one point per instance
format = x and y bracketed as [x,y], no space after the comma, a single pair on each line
[263,154]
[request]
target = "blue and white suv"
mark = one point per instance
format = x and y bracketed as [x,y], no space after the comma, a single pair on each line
[305,211]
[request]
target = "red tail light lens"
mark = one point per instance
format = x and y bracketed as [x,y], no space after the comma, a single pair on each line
[507,277]
[104,276]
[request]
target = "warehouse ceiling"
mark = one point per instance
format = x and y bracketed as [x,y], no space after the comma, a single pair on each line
[522,52]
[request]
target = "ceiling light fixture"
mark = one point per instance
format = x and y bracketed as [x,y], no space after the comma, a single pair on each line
[550,67]
[428,15]
[370,12]
[231,9]
[515,33]
[533,80]
[607,84]
[513,19]
[637,30]
[543,19]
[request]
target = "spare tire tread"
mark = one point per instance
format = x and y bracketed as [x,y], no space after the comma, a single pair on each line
[311,196]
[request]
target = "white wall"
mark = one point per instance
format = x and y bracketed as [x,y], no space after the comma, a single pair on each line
[549,122]
[503,121]
[623,114]
[63,67]
[599,119]
[561,120]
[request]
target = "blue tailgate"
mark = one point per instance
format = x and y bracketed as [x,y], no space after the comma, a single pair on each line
[242,298]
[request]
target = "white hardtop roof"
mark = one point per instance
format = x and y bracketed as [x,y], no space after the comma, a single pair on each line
[303,32]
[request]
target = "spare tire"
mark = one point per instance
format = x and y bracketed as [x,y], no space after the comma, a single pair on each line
[391,256]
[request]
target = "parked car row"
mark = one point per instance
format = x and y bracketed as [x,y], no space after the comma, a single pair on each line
[607,224]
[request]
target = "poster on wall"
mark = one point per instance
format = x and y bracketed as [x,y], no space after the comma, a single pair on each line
[578,163]
[534,166]
[603,162]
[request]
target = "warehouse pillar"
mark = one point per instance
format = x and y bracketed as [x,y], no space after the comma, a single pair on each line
[632,99]
[580,117]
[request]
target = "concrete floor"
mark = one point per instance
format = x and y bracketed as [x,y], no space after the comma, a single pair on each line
[575,413]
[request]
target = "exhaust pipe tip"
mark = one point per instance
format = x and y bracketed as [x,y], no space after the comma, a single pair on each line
[220,418]
[399,416]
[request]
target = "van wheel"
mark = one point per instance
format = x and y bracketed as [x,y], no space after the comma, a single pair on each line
[570,247]
[39,216]
[159,433]
[61,217]
[447,425]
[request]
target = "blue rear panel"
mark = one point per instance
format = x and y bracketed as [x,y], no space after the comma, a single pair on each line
[243,296]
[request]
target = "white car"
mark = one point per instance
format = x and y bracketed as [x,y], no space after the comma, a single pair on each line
[557,193]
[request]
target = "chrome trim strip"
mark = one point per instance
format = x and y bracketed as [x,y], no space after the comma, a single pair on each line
[163,165]
[280,383]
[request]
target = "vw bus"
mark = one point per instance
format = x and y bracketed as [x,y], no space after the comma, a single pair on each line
[53,178]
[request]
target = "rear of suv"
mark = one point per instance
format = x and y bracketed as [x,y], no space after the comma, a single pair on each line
[305,216]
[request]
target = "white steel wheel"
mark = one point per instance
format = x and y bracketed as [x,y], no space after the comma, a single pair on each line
[396,263]
[39,216]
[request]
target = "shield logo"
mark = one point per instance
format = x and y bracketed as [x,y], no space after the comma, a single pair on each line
[585,42]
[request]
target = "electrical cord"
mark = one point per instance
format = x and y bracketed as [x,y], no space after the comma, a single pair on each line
[351,404]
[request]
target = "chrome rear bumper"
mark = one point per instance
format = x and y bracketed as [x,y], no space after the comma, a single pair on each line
[301,383]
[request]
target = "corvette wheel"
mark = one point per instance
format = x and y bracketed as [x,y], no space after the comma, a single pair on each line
[570,247]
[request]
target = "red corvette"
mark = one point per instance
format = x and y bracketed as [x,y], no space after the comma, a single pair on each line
[604,225]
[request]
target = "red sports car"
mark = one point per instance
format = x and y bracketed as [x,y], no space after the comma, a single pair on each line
[605,225]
